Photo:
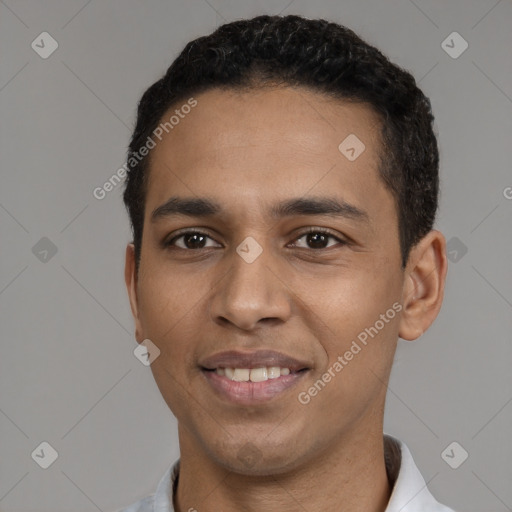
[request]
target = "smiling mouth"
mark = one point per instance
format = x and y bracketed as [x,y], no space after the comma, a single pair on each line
[261,374]
[247,377]
[251,386]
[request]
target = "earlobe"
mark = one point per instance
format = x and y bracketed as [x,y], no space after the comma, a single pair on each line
[131,287]
[424,282]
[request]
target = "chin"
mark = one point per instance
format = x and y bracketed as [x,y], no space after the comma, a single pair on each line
[251,459]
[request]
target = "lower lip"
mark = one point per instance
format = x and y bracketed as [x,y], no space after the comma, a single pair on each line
[249,393]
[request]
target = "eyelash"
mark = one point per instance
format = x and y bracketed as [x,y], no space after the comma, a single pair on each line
[323,231]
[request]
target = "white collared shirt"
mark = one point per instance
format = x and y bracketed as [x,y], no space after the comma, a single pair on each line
[410,492]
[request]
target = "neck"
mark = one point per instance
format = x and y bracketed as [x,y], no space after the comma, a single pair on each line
[350,476]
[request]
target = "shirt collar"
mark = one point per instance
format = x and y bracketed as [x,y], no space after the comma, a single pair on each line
[410,492]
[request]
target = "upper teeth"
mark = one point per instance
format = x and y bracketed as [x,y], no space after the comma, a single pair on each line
[253,374]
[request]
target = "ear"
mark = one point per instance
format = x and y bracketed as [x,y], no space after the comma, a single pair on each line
[423,292]
[130,279]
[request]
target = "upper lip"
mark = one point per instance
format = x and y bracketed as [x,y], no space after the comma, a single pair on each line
[254,359]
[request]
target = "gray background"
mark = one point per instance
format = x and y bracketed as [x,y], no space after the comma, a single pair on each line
[68,375]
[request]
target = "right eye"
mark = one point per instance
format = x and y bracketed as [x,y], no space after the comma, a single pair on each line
[192,240]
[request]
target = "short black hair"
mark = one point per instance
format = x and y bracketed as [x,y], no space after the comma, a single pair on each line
[321,56]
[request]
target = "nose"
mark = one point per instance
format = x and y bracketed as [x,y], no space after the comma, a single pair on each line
[251,294]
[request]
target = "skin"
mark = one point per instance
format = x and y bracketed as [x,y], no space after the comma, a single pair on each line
[247,151]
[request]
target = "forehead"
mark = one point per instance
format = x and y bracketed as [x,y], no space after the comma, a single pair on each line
[249,147]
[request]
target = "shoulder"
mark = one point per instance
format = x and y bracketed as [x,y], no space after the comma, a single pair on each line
[410,491]
[161,499]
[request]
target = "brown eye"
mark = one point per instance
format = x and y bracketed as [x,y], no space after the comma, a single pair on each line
[318,239]
[190,240]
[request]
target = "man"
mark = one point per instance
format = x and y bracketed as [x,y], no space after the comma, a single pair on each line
[282,191]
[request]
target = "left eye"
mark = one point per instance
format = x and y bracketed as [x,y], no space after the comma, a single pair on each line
[318,240]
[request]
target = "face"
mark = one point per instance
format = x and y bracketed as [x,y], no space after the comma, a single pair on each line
[285,255]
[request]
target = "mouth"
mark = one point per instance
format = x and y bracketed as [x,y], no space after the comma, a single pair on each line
[248,378]
[261,374]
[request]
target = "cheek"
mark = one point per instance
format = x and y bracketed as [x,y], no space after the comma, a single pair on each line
[168,318]
[359,349]
[168,314]
[356,318]
[165,300]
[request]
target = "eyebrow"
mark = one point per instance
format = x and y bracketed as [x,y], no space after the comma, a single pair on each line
[204,207]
